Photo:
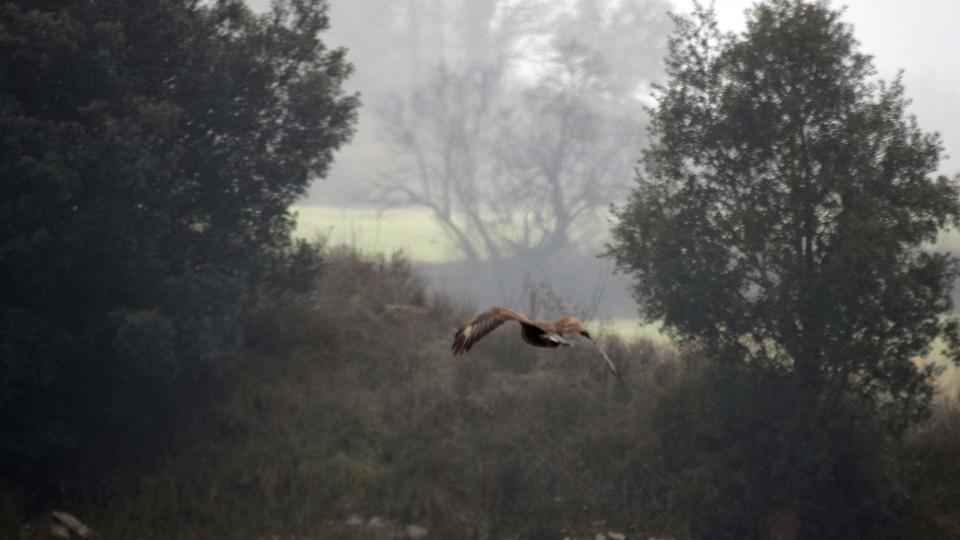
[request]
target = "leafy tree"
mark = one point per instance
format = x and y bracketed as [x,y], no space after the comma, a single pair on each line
[783,206]
[149,154]
[779,223]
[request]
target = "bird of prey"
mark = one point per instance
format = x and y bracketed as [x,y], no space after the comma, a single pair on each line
[536,333]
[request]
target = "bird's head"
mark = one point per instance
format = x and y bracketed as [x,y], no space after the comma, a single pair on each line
[570,324]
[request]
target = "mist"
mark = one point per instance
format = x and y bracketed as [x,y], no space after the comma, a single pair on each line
[479,269]
[395,64]
[917,41]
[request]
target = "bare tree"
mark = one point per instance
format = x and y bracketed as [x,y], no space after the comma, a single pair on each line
[567,150]
[528,130]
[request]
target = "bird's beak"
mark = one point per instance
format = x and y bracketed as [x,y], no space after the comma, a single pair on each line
[586,335]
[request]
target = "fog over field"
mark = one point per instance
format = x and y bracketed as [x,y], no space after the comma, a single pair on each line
[913,37]
[479,269]
[345,207]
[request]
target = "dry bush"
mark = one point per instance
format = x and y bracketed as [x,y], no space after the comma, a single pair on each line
[349,402]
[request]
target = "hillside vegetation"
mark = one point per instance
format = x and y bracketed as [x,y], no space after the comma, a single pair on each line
[348,407]
[349,403]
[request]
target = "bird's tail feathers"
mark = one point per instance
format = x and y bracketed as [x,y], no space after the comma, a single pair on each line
[613,367]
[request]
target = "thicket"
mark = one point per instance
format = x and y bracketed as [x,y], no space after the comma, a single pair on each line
[349,404]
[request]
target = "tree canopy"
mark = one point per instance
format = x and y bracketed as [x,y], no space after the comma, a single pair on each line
[780,224]
[149,153]
[784,203]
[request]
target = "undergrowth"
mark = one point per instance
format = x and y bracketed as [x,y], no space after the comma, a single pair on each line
[349,406]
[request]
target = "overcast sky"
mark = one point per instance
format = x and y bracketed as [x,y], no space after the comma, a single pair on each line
[919,37]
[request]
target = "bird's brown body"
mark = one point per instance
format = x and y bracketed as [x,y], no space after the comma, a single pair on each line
[542,334]
[536,333]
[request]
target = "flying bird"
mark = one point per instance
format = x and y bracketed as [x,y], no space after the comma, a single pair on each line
[536,333]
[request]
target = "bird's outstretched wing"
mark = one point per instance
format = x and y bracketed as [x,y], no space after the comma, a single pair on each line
[483,324]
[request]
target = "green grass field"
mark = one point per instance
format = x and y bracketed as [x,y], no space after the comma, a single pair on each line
[628,328]
[410,230]
[413,231]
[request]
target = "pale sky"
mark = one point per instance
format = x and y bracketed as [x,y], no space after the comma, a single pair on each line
[919,37]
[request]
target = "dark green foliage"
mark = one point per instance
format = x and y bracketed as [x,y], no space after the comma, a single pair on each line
[349,403]
[149,152]
[778,224]
[757,465]
[354,405]
[934,482]
[784,200]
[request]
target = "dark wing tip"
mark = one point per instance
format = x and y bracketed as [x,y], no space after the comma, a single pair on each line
[460,345]
[480,326]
